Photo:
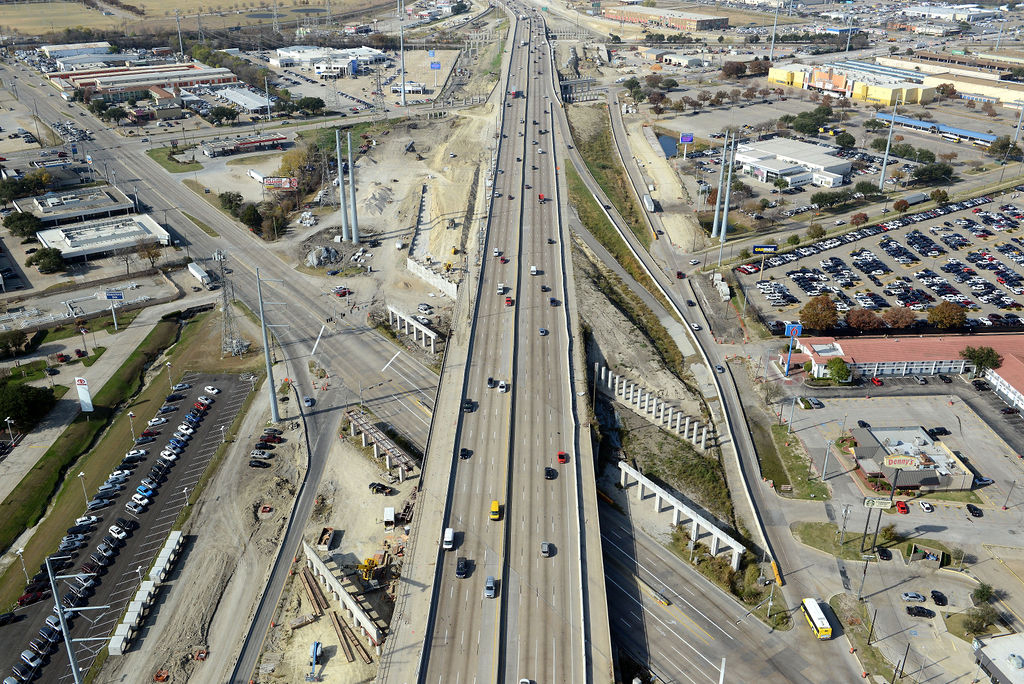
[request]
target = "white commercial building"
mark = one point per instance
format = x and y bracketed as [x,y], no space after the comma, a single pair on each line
[307,55]
[799,163]
[103,236]
[245,100]
[968,13]
[68,49]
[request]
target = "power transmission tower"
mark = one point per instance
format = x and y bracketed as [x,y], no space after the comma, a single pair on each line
[379,102]
[199,25]
[181,46]
[277,26]
[230,343]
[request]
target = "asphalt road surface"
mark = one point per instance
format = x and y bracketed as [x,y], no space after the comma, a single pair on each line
[534,627]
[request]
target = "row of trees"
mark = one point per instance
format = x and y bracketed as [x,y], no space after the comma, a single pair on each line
[820,313]
[755,67]
[267,219]
[34,183]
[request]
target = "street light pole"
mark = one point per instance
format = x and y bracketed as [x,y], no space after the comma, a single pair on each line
[131,424]
[1012,485]
[888,144]
[81,478]
[10,433]
[21,555]
[170,383]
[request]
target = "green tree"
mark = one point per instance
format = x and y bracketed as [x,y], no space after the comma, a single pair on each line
[978,619]
[631,83]
[837,369]
[25,404]
[221,113]
[845,140]
[866,188]
[815,231]
[1003,146]
[781,183]
[47,260]
[250,216]
[23,224]
[888,533]
[733,69]
[793,239]
[983,358]
[13,341]
[947,315]
[819,313]
[879,144]
[744,254]
[933,173]
[983,593]
[669,83]
[311,105]
[925,156]
[230,202]
[939,196]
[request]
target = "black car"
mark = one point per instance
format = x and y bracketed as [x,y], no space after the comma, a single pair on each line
[863,424]
[126,525]
[938,432]
[7,618]
[491,384]
[467,405]
[690,302]
[884,554]
[272,431]
[550,473]
[266,446]
[920,611]
[945,379]
[100,559]
[980,385]
[461,567]
[80,529]
[255,463]
[939,598]
[58,563]
[974,511]
[465,453]
[174,397]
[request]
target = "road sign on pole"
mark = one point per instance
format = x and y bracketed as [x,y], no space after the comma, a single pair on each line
[764,249]
[114,295]
[685,138]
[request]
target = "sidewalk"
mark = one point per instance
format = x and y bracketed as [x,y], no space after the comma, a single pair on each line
[118,347]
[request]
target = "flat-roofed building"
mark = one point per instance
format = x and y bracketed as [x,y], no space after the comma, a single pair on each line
[799,163]
[71,206]
[910,457]
[862,81]
[665,18]
[103,236]
[1001,657]
[254,143]
[925,66]
[245,100]
[118,84]
[1006,93]
[69,49]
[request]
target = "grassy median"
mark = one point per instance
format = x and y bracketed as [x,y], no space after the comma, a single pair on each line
[162,156]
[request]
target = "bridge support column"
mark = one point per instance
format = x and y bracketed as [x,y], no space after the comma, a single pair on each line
[735,564]
[387,461]
[686,427]
[622,478]
[352,429]
[675,516]
[640,489]
[401,474]
[657,503]
[704,437]
[376,451]
[362,435]
[668,421]
[714,544]
[433,345]
[694,439]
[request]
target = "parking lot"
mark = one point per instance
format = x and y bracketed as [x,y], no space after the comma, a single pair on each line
[964,253]
[115,560]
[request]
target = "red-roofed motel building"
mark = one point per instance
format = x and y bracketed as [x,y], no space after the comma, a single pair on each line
[899,356]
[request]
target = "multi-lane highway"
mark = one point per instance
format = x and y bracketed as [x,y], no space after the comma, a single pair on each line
[534,625]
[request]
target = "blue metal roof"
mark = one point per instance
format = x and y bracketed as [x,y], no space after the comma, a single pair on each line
[937,127]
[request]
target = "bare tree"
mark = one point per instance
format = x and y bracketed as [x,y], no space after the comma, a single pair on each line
[151,251]
[127,256]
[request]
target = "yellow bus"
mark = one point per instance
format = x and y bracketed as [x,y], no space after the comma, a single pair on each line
[816,619]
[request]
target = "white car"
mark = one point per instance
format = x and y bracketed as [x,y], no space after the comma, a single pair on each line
[205,400]
[210,389]
[119,473]
[156,421]
[256,453]
[139,499]
[88,520]
[185,429]
[927,507]
[117,533]
[168,455]
[136,452]
[181,387]
[695,326]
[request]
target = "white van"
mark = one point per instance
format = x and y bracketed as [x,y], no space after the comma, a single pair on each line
[501,289]
[533,270]
[449,539]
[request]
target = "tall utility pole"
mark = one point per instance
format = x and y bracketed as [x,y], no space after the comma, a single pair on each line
[275,417]
[181,46]
[266,91]
[341,188]
[721,179]
[725,207]
[775,25]
[354,226]
[888,144]
[401,44]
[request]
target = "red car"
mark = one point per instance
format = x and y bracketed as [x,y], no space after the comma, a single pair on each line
[508,301]
[679,275]
[149,433]
[901,507]
[63,358]
[272,439]
[32,597]
[876,382]
[563,457]
[200,406]
[504,259]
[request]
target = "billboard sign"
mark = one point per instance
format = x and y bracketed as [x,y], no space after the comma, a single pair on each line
[436,66]
[280,182]
[794,329]
[84,398]
[877,502]
[685,138]
[764,249]
[900,461]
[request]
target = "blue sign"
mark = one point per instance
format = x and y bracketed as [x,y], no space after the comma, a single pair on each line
[114,295]
[685,138]
[764,249]
[430,53]
[436,66]
[794,329]
[74,149]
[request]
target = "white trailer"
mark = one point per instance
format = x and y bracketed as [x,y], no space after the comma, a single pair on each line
[199,274]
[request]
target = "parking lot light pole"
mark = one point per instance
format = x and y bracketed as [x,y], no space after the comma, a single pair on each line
[223,437]
[81,478]
[1012,485]
[131,424]
[888,144]
[170,382]
[21,556]
[10,434]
